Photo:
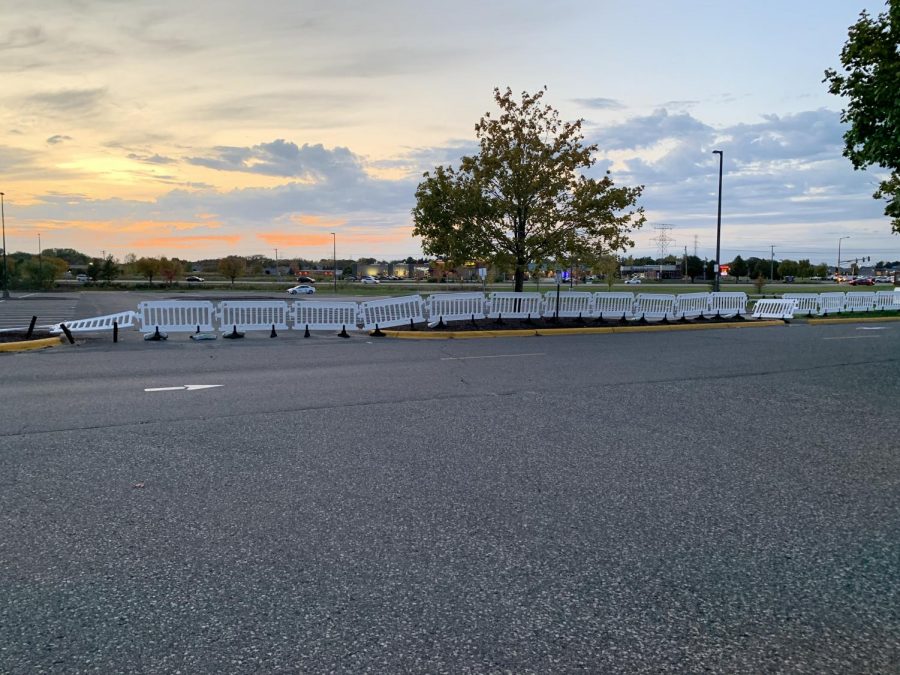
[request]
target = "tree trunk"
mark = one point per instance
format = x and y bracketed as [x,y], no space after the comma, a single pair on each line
[520,277]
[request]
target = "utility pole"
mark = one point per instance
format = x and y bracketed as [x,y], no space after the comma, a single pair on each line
[277,274]
[5,268]
[772,263]
[718,222]
[40,260]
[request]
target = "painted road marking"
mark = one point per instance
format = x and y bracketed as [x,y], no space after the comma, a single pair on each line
[871,328]
[854,337]
[492,356]
[186,387]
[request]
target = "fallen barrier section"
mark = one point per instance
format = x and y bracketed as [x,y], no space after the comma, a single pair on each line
[172,316]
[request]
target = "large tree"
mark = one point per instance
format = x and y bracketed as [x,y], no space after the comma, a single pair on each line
[524,197]
[232,267]
[870,82]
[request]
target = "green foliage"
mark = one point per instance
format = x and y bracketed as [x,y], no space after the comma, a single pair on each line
[759,283]
[524,197]
[788,268]
[738,268]
[232,267]
[870,81]
[148,267]
[109,269]
[608,266]
[694,267]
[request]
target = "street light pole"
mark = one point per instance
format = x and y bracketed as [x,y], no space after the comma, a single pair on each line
[5,268]
[837,269]
[334,259]
[718,223]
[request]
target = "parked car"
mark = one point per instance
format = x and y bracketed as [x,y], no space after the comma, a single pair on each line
[862,281]
[350,277]
[305,280]
[82,278]
[884,280]
[195,280]
[368,280]
[633,282]
[302,289]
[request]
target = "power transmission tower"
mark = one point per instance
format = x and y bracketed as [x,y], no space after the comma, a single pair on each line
[662,243]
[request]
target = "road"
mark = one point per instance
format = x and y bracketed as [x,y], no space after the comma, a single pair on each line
[723,500]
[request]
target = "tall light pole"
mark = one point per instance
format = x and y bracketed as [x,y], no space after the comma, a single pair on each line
[5,268]
[718,223]
[277,273]
[40,259]
[837,269]
[334,259]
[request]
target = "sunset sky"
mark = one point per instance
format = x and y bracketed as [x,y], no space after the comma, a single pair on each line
[207,128]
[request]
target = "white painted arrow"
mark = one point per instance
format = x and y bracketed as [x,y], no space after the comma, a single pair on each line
[186,387]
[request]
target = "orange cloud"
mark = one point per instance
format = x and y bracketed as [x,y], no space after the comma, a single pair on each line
[118,226]
[190,241]
[316,221]
[287,239]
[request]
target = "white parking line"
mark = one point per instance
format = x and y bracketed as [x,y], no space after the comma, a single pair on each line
[854,337]
[492,356]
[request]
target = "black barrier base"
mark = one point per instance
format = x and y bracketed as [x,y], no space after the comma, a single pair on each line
[233,335]
[377,332]
[343,333]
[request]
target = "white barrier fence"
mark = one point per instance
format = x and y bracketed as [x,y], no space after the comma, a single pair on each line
[201,315]
[174,316]
[253,314]
[316,315]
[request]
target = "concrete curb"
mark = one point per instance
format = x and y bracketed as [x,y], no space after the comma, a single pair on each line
[531,332]
[861,319]
[28,345]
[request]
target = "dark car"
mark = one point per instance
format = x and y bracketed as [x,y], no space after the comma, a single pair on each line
[863,281]
[195,280]
[305,280]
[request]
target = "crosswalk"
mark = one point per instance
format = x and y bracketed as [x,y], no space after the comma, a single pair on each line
[16,312]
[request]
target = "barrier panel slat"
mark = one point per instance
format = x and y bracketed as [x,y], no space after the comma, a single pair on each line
[97,323]
[392,312]
[174,316]
[321,315]
[831,303]
[807,303]
[253,314]
[655,306]
[454,306]
[571,304]
[692,305]
[727,304]
[888,300]
[860,301]
[769,308]
[510,305]
[614,305]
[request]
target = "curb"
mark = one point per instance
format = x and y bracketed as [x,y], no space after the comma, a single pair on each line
[474,334]
[29,345]
[861,319]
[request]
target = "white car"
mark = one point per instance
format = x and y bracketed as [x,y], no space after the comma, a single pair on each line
[368,280]
[302,289]
[633,282]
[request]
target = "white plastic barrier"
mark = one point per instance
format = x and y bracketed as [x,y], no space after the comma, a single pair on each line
[515,305]
[807,303]
[454,306]
[392,312]
[727,304]
[831,303]
[692,305]
[253,314]
[321,315]
[774,309]
[614,305]
[571,304]
[859,301]
[173,316]
[888,301]
[97,323]
[655,306]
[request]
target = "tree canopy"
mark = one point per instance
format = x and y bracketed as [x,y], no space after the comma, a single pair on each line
[870,82]
[524,198]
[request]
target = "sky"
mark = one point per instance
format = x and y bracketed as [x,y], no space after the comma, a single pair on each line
[216,127]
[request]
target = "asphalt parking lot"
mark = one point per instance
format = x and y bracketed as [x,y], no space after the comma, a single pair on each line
[723,500]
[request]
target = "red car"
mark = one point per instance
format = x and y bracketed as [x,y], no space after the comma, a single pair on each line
[863,281]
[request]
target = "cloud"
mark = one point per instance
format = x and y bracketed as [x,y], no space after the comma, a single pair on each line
[286,239]
[68,101]
[151,159]
[187,242]
[57,138]
[283,158]
[599,103]
[22,38]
